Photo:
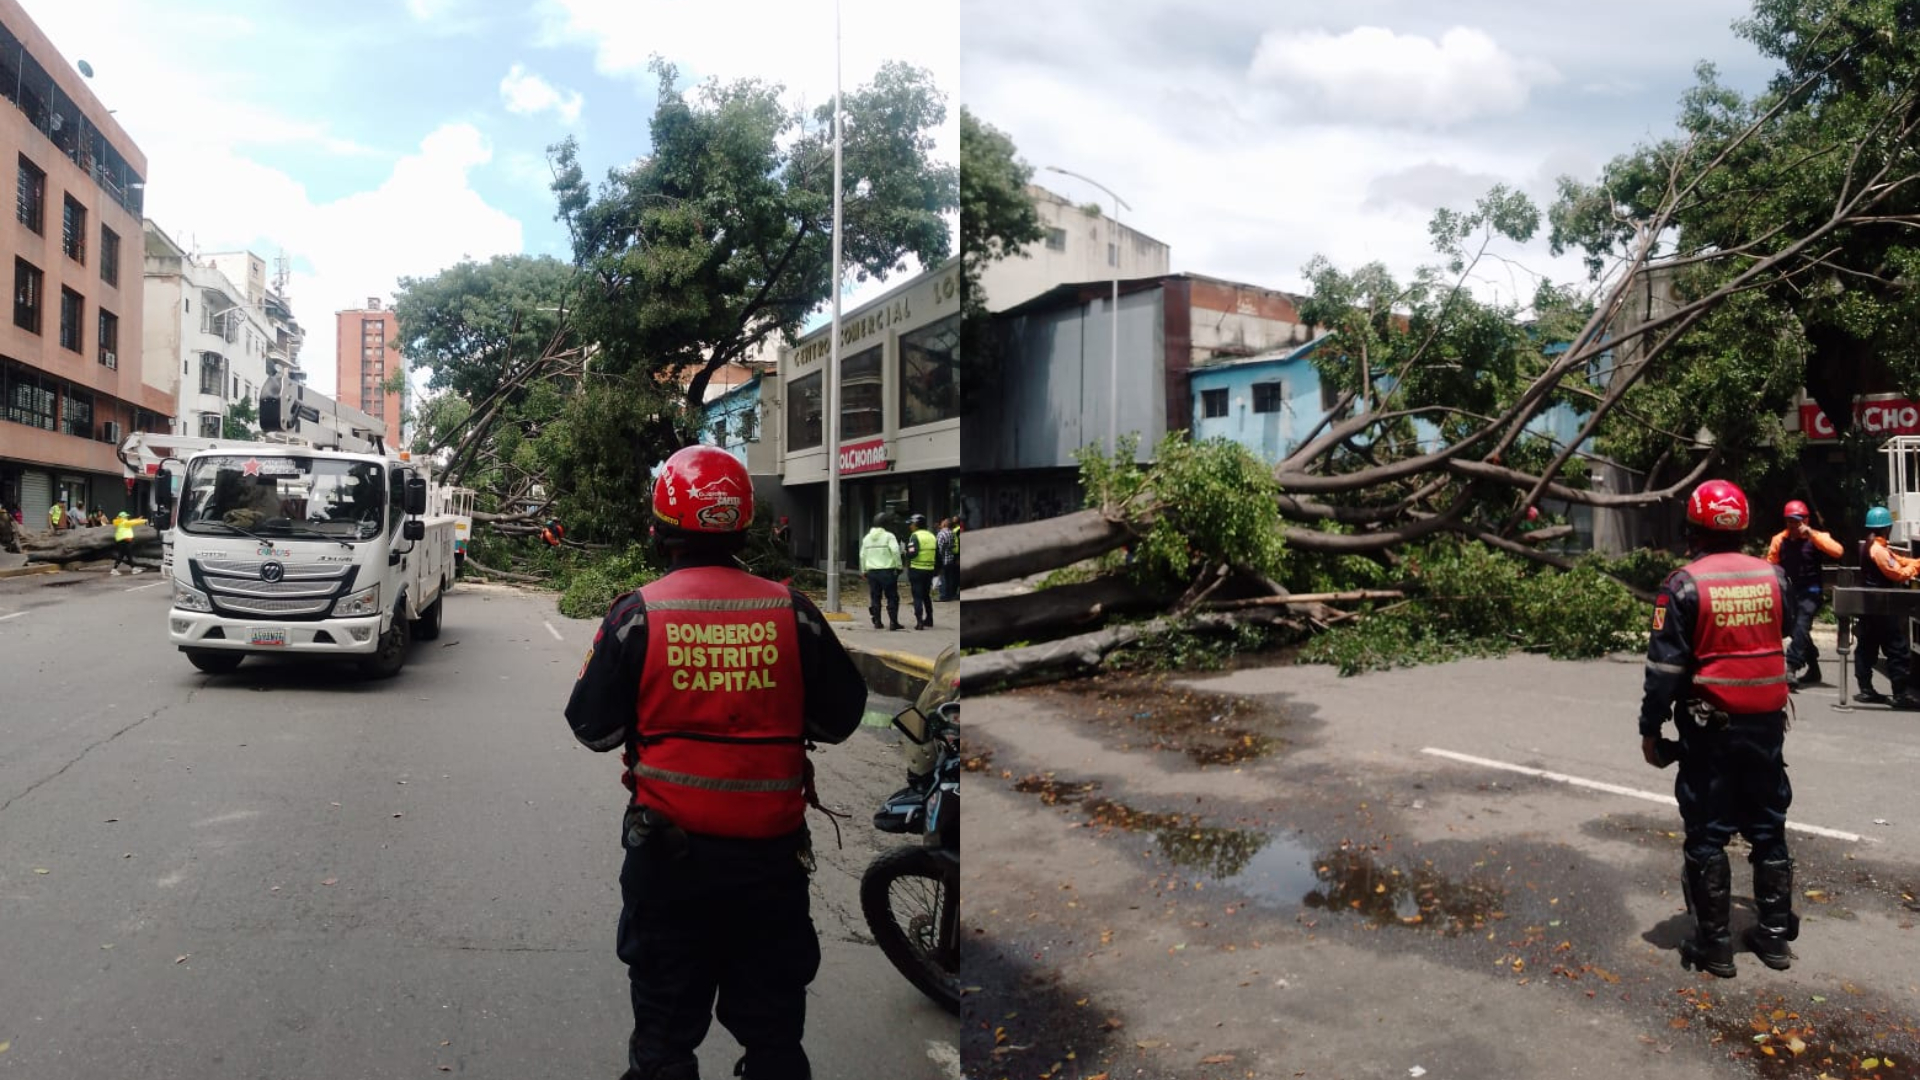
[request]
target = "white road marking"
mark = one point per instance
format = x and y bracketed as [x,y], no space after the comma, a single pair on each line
[1617,789]
[551,630]
[148,585]
[15,615]
[946,1056]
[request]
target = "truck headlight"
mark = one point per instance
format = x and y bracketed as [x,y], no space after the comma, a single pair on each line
[190,599]
[364,602]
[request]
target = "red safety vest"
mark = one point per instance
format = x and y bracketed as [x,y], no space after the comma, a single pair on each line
[719,726]
[1736,635]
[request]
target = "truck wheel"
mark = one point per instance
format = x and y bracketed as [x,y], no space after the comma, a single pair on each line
[214,661]
[391,656]
[427,626]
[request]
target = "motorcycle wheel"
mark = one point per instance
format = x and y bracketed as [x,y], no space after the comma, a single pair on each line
[911,898]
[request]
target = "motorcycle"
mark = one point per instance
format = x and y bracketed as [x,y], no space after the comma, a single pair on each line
[911,894]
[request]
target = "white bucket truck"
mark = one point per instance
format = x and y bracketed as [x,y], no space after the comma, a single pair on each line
[316,539]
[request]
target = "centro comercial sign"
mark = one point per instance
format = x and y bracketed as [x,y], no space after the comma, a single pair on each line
[867,456]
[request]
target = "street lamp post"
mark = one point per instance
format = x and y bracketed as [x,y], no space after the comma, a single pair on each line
[1113,369]
[833,347]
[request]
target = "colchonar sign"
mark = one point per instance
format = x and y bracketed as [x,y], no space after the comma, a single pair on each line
[1879,416]
[868,455]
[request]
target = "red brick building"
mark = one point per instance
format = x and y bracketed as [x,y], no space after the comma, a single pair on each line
[72,384]
[366,356]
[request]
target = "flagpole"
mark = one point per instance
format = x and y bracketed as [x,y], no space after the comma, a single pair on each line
[833,359]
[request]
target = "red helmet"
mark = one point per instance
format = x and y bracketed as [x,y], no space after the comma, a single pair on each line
[703,490]
[1718,505]
[1796,509]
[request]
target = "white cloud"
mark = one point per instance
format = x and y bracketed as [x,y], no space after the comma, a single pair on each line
[528,94]
[1370,73]
[425,10]
[204,187]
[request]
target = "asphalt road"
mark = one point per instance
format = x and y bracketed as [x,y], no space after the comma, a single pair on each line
[289,872]
[1271,873]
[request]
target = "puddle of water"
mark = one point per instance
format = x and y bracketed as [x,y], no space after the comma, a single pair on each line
[1281,872]
[1211,729]
[1803,1043]
[1053,791]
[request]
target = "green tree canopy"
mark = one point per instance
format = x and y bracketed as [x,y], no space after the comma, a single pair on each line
[997,220]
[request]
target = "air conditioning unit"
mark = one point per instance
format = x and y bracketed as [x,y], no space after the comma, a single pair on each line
[108,357]
[110,432]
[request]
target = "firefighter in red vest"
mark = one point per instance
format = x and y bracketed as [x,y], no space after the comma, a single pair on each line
[716,682]
[1715,667]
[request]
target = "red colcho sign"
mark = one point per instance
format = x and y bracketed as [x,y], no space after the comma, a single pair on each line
[867,456]
[1880,416]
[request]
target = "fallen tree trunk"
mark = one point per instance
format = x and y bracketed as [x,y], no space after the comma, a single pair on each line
[508,575]
[1006,552]
[1049,613]
[1085,652]
[75,545]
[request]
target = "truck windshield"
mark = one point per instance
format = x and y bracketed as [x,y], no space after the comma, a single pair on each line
[284,496]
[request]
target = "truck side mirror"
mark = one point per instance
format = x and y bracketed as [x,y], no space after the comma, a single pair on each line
[414,529]
[416,496]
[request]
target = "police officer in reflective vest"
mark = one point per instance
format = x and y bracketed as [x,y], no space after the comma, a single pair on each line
[715,682]
[1715,653]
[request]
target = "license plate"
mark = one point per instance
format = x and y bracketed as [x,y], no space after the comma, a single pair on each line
[260,635]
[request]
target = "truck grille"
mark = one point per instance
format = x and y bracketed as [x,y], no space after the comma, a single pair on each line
[305,590]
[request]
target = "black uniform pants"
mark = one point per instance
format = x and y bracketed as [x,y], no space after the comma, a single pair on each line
[1887,635]
[723,930]
[122,550]
[1802,605]
[884,584]
[950,579]
[921,581]
[1734,780]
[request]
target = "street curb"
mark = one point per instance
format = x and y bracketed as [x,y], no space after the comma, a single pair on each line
[31,568]
[894,674]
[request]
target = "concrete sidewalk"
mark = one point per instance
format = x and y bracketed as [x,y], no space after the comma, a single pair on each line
[896,663]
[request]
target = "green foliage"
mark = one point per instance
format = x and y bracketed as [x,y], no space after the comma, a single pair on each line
[242,421]
[1201,503]
[593,588]
[1185,648]
[473,324]
[1469,600]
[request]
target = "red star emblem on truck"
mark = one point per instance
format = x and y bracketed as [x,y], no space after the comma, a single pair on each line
[250,467]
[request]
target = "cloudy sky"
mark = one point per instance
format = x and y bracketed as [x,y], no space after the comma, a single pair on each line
[1251,137]
[371,139]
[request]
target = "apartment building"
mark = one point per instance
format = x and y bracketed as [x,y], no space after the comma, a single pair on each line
[68,391]
[366,358]
[213,337]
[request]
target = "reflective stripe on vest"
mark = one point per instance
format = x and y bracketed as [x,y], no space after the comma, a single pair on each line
[719,729]
[1736,634]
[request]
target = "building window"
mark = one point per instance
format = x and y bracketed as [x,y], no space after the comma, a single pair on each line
[1113,255]
[109,256]
[26,295]
[1213,404]
[73,230]
[862,398]
[1267,396]
[108,336]
[27,395]
[71,306]
[33,195]
[805,413]
[209,425]
[210,374]
[77,418]
[930,373]
[1056,239]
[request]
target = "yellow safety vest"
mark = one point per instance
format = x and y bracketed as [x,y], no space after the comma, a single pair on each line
[923,558]
[123,527]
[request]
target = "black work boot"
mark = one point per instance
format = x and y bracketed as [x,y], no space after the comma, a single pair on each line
[792,1066]
[1773,899]
[1709,887]
[903,808]
[681,1071]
